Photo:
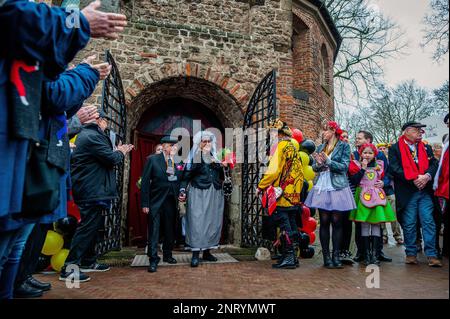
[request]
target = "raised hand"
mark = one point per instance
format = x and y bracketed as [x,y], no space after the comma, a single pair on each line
[87,113]
[103,68]
[103,24]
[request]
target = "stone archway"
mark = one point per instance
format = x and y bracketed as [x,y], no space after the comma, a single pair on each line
[220,102]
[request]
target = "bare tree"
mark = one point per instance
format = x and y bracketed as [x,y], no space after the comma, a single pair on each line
[436,28]
[389,109]
[441,97]
[369,38]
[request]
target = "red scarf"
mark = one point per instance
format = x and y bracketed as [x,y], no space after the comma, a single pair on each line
[410,168]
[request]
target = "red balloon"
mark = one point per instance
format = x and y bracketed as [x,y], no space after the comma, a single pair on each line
[306,213]
[312,238]
[297,135]
[310,225]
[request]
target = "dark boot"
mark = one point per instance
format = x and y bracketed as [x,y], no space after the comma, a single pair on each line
[367,251]
[208,256]
[327,262]
[195,259]
[153,266]
[375,242]
[289,261]
[296,244]
[379,252]
[337,263]
[282,249]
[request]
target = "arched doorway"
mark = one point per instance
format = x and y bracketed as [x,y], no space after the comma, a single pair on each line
[159,120]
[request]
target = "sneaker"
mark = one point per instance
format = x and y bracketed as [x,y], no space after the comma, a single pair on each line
[82,277]
[411,260]
[434,262]
[96,267]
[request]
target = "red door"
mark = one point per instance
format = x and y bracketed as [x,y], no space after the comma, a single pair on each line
[137,221]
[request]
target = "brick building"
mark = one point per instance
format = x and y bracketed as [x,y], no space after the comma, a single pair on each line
[202,59]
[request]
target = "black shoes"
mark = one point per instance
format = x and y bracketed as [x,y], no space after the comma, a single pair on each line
[347,258]
[80,276]
[289,261]
[44,286]
[25,290]
[170,260]
[153,266]
[208,256]
[195,259]
[358,257]
[95,267]
[337,263]
[327,262]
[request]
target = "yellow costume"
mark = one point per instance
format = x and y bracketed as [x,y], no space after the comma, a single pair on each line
[285,165]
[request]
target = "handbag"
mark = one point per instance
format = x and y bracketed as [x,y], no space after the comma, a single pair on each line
[227,185]
[41,194]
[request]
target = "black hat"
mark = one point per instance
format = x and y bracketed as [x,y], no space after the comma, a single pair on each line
[412,124]
[168,139]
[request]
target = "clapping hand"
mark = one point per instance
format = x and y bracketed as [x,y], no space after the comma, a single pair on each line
[103,68]
[87,113]
[125,148]
[364,163]
[103,24]
[182,197]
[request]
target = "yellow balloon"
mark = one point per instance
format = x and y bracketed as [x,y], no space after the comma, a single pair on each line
[296,145]
[58,260]
[305,159]
[53,243]
[310,185]
[309,173]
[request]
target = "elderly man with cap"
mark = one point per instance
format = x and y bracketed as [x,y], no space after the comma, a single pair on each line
[413,166]
[94,187]
[160,184]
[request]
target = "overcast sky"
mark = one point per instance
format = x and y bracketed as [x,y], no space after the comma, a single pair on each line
[417,64]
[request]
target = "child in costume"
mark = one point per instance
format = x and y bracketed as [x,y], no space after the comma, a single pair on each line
[372,205]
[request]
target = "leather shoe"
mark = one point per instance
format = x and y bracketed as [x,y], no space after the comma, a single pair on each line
[170,260]
[26,291]
[208,257]
[152,267]
[33,282]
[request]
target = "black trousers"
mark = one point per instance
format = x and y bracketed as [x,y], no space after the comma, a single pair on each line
[31,253]
[165,218]
[285,219]
[82,250]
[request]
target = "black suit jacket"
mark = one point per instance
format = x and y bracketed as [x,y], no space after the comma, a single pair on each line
[403,187]
[155,187]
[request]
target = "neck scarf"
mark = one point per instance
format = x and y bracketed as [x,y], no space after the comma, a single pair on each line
[410,169]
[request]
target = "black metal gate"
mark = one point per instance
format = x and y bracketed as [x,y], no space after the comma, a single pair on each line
[113,103]
[261,111]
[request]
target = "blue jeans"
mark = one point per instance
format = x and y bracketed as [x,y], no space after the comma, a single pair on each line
[11,266]
[6,242]
[419,206]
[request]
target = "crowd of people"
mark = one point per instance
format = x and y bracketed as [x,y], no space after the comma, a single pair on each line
[53,143]
[404,184]
[41,101]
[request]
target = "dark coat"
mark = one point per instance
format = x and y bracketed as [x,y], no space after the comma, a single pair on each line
[92,165]
[403,187]
[39,34]
[203,175]
[155,187]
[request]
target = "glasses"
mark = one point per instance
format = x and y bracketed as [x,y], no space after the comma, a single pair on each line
[206,142]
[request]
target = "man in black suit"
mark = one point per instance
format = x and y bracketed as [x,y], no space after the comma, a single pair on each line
[159,192]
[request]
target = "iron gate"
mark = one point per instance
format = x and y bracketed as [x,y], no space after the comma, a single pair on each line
[113,103]
[261,111]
